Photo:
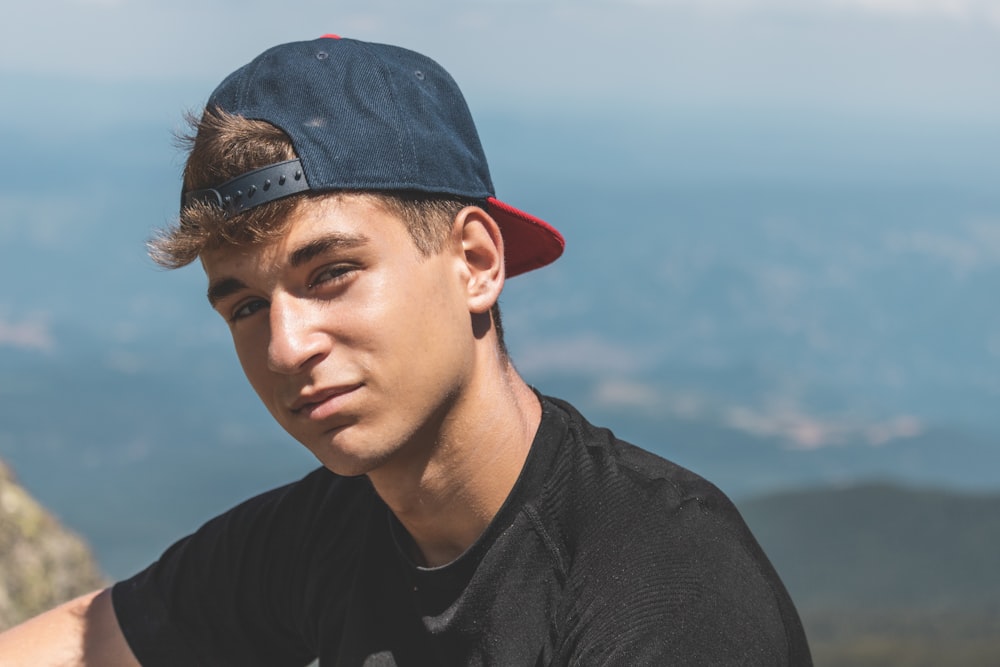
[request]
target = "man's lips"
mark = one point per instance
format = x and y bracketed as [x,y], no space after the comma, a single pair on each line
[317,403]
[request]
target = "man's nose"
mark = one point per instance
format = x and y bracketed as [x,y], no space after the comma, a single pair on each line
[297,339]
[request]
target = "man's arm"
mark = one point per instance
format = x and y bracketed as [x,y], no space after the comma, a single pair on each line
[80,632]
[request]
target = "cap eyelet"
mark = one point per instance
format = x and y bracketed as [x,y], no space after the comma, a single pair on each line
[322,55]
[419,75]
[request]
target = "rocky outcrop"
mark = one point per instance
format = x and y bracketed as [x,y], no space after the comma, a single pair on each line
[41,563]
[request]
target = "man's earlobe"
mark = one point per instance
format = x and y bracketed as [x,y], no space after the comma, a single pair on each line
[482,254]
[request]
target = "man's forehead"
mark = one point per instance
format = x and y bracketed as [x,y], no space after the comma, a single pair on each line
[336,221]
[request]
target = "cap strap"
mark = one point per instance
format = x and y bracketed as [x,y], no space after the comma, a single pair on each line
[252,188]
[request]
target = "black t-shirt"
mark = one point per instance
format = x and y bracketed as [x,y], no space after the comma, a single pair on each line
[603,554]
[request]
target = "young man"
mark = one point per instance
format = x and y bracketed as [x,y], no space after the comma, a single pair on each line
[340,203]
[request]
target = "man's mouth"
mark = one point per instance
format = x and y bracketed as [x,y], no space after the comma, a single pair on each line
[320,403]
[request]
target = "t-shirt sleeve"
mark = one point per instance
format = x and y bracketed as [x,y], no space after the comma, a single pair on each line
[237,591]
[695,590]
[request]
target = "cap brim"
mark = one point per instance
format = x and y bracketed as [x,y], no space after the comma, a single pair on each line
[529,242]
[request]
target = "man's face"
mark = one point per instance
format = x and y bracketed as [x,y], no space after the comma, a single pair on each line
[355,341]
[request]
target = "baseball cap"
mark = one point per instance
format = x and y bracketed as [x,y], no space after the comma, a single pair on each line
[370,117]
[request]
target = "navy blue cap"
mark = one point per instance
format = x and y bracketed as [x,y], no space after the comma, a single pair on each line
[365,116]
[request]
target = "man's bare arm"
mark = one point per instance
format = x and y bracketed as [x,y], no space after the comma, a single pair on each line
[80,632]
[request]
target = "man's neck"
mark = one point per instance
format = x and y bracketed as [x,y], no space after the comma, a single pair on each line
[446,501]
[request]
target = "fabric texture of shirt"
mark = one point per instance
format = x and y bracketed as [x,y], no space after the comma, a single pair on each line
[603,554]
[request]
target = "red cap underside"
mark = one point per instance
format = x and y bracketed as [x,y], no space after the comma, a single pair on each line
[529,242]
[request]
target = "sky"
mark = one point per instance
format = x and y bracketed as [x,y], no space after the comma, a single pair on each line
[927,59]
[817,83]
[814,82]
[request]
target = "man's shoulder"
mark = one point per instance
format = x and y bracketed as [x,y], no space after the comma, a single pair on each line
[648,543]
[615,465]
[318,506]
[604,493]
[610,501]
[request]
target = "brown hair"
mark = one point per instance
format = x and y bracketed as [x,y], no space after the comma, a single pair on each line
[222,146]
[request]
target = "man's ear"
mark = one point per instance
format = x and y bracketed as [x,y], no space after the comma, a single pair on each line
[481,256]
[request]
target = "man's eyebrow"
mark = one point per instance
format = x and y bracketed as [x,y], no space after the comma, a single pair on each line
[315,247]
[222,288]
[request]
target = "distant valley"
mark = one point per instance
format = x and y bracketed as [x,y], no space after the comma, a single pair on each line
[785,305]
[888,575]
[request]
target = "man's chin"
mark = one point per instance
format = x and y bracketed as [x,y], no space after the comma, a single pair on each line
[338,456]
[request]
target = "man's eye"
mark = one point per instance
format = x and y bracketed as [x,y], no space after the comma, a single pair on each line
[330,274]
[247,308]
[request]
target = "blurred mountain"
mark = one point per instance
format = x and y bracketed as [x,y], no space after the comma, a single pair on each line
[882,546]
[888,575]
[42,564]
